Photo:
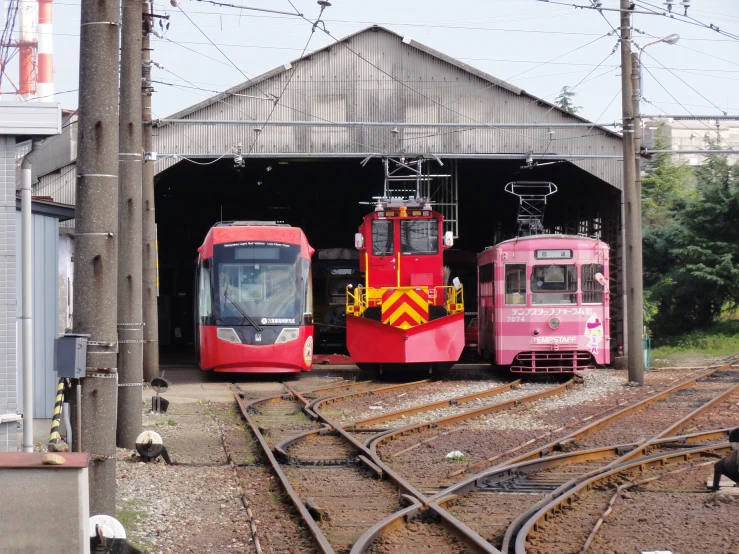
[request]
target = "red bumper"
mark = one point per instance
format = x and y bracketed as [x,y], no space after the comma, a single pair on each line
[372,342]
[221,356]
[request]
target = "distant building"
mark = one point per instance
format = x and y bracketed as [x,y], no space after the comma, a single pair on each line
[691,135]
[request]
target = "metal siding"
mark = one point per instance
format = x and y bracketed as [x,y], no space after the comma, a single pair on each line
[8,262]
[335,85]
[30,118]
[45,302]
[60,185]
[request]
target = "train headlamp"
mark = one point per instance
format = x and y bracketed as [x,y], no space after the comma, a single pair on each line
[308,351]
[229,335]
[554,322]
[288,334]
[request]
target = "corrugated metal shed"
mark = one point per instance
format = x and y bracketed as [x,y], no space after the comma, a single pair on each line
[377,75]
[45,230]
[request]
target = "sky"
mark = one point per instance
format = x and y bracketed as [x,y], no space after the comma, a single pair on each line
[535,45]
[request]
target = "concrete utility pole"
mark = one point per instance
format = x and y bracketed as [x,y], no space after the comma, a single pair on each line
[130,317]
[632,209]
[96,253]
[151,317]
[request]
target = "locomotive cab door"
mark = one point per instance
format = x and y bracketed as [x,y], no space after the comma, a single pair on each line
[383,253]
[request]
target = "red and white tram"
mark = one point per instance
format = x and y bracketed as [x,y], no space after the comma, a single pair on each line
[254,311]
[543,304]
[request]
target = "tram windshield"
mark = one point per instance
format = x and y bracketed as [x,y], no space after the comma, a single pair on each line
[419,236]
[267,282]
[554,284]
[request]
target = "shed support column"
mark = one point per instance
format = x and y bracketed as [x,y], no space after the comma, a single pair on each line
[27,304]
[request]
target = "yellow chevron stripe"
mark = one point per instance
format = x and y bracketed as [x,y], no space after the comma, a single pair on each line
[416,297]
[406,309]
[394,297]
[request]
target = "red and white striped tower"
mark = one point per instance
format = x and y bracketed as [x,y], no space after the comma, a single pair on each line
[27,49]
[45,86]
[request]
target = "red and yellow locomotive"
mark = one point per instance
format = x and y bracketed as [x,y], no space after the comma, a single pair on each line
[404,313]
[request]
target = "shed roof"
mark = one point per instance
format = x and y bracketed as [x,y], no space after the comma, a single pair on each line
[377,75]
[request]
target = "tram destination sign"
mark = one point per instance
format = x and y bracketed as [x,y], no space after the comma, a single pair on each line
[557,254]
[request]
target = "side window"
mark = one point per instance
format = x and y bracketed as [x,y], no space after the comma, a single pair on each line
[205,295]
[515,284]
[382,237]
[308,279]
[592,290]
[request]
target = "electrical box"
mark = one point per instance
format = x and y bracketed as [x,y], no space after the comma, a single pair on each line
[70,355]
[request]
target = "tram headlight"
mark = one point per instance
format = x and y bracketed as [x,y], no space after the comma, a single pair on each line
[554,322]
[308,351]
[229,335]
[288,334]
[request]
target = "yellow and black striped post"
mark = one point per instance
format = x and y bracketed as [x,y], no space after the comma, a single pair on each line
[54,437]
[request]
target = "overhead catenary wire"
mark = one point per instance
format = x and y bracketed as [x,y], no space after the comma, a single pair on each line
[718,133]
[657,10]
[691,87]
[290,77]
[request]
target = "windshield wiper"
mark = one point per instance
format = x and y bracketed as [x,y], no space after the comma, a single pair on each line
[241,311]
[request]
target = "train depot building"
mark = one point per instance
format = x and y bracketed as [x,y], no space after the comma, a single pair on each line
[314,159]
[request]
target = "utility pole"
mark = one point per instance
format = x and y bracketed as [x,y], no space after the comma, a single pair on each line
[130,317]
[151,317]
[632,208]
[96,252]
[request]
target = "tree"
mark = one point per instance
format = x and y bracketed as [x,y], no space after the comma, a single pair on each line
[697,276]
[565,100]
[666,185]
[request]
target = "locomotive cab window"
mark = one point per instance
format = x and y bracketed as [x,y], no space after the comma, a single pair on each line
[382,237]
[515,284]
[419,236]
[554,284]
[592,290]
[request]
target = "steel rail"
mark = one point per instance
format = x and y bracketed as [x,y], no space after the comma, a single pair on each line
[628,485]
[314,529]
[362,424]
[393,521]
[397,414]
[336,386]
[373,458]
[566,490]
[505,473]
[326,400]
[598,424]
[643,446]
[640,465]
[439,502]
[457,418]
[401,517]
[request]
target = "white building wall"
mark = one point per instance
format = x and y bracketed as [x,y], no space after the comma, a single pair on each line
[8,381]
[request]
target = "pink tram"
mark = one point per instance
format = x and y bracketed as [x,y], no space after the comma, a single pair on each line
[543,304]
[254,300]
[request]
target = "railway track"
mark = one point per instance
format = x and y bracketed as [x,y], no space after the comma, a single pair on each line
[331,475]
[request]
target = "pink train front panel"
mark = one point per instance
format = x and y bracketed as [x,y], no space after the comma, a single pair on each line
[545,295]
